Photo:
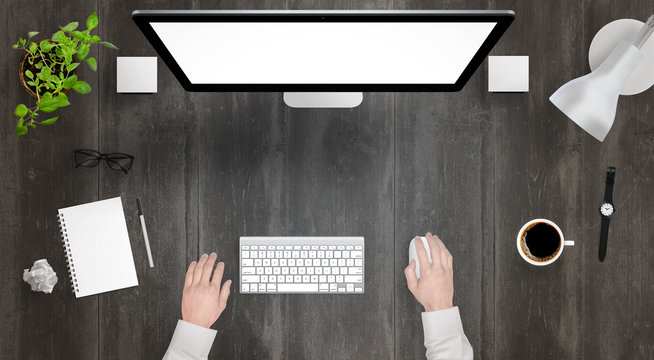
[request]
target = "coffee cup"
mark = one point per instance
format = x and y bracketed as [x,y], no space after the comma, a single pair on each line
[540,242]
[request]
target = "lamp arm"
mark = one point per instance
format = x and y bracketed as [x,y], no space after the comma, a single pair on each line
[644,33]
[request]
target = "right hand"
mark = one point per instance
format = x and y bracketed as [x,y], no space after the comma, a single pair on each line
[435,288]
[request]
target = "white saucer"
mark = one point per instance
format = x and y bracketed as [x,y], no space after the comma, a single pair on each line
[608,37]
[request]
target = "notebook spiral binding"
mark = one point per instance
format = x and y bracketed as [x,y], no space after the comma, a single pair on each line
[68,255]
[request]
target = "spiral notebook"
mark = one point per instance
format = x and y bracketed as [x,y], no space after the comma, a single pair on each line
[98,251]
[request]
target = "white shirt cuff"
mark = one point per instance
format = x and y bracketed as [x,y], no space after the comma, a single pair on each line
[441,324]
[190,341]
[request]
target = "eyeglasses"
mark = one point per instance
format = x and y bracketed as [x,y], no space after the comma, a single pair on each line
[115,161]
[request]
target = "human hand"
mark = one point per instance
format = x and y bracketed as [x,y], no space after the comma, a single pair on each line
[435,288]
[203,300]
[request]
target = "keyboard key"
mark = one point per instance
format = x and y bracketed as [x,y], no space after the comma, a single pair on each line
[295,254]
[358,289]
[245,247]
[346,254]
[298,278]
[355,271]
[297,287]
[289,278]
[271,287]
[245,254]
[259,271]
[297,247]
[333,262]
[318,271]
[341,289]
[338,254]
[349,262]
[277,270]
[248,271]
[314,278]
[268,271]
[335,271]
[262,287]
[285,271]
[325,262]
[293,271]
[288,247]
[283,262]
[275,262]
[254,287]
[253,254]
[263,247]
[339,278]
[264,278]
[321,254]
[353,278]
[299,262]
[314,247]
[249,278]
[310,270]
[245,288]
[270,254]
[332,287]
[358,262]
[266,262]
[358,247]
[357,254]
[322,279]
[291,262]
[349,287]
[332,247]
[254,247]
[340,247]
[327,270]
[323,287]
[349,247]
[302,270]
[306,247]
[329,254]
[331,278]
[258,262]
[247,262]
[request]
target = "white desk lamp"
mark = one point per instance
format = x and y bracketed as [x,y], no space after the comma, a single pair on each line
[591,100]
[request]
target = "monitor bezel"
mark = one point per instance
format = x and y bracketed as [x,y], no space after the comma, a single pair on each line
[503,18]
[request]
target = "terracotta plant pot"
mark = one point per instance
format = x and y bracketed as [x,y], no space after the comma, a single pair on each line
[25,65]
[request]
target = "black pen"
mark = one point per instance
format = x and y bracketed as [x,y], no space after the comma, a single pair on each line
[145,232]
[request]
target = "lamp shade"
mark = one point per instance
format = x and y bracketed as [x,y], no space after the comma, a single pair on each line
[591,100]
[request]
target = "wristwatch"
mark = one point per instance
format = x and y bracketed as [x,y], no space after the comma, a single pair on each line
[606,210]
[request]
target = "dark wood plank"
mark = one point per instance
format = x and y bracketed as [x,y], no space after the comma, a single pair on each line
[538,162]
[161,131]
[271,170]
[37,177]
[618,293]
[444,153]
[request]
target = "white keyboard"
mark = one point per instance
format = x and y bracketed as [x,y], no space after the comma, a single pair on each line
[302,265]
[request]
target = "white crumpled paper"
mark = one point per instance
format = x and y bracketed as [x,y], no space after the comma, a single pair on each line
[41,276]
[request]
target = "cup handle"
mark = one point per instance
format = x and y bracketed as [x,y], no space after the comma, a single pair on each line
[568,242]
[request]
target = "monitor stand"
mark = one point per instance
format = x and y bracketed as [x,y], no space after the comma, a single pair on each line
[323,99]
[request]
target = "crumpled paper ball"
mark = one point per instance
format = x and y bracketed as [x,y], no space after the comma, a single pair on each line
[41,276]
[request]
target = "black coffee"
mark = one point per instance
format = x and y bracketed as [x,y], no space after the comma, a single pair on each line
[541,242]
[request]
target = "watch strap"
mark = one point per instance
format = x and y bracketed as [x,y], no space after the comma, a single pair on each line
[610,180]
[604,237]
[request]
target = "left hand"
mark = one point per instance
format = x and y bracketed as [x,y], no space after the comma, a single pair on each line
[203,299]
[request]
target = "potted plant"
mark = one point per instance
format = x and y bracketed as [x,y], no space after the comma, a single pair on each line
[48,70]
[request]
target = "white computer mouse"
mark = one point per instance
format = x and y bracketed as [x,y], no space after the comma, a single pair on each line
[413,254]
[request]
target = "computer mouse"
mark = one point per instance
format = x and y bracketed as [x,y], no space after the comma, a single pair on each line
[413,254]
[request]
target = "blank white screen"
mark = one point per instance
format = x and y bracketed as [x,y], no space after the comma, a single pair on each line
[323,53]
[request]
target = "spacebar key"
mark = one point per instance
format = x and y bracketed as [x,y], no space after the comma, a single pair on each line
[297,288]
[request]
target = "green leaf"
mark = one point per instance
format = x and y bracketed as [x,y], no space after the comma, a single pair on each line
[46,46]
[83,52]
[31,83]
[21,110]
[92,63]
[29,74]
[15,46]
[22,41]
[61,76]
[109,45]
[50,121]
[38,65]
[95,38]
[21,129]
[70,27]
[33,47]
[60,37]
[79,35]
[82,87]
[92,21]
[72,67]
[47,103]
[70,81]
[44,74]
[32,34]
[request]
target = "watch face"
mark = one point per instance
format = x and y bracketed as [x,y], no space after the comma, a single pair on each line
[606,209]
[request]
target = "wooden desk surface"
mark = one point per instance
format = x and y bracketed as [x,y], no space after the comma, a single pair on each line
[470,166]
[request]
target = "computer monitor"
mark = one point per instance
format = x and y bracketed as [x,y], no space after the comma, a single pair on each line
[337,53]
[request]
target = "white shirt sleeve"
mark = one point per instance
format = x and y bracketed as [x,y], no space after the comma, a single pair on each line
[444,337]
[190,342]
